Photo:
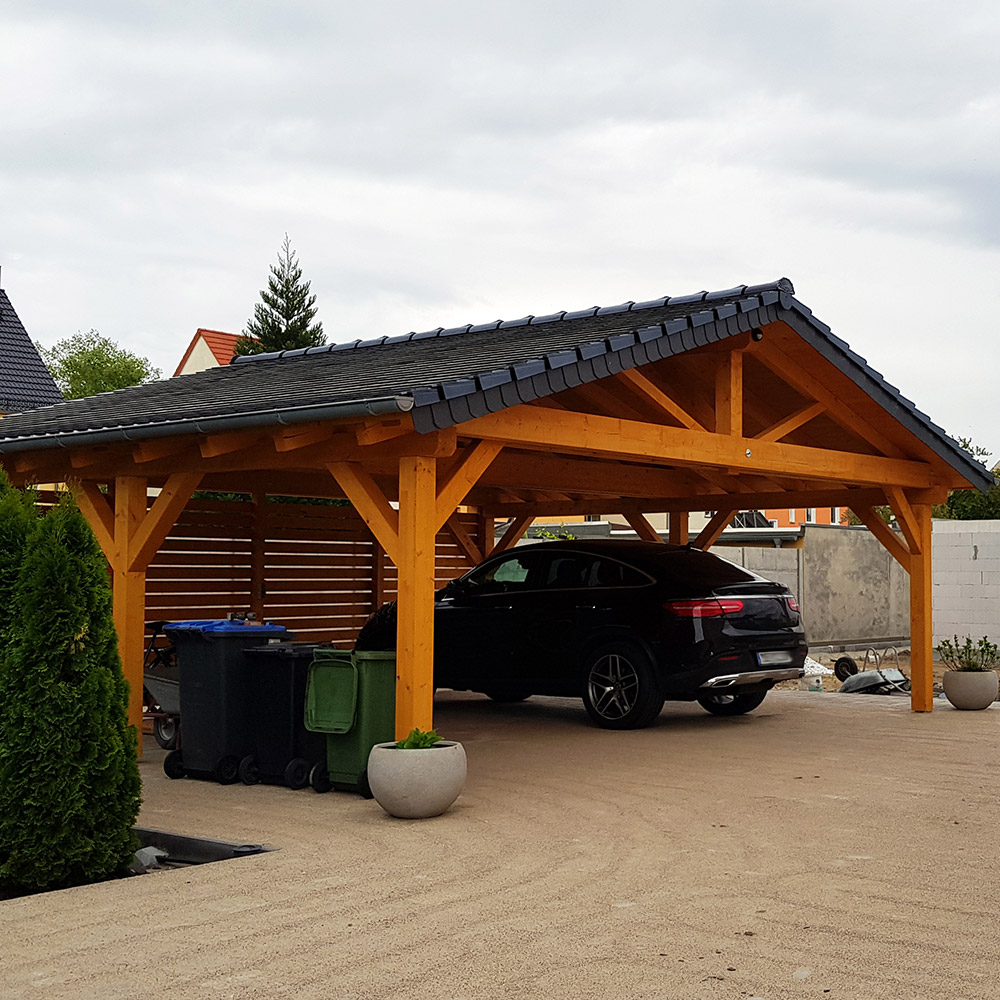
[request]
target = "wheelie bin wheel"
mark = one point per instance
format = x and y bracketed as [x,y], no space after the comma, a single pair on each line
[249,772]
[173,765]
[227,770]
[297,773]
[319,778]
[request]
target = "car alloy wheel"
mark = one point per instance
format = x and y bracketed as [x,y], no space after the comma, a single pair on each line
[621,690]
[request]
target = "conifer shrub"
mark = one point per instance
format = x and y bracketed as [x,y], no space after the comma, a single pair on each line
[17,519]
[69,779]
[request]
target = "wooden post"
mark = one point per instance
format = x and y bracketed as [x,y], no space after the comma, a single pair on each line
[129,604]
[485,533]
[921,614]
[415,601]
[678,530]
[258,585]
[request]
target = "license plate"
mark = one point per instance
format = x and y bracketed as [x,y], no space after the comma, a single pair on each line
[774,658]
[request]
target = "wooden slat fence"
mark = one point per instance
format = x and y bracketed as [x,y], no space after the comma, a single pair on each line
[315,569]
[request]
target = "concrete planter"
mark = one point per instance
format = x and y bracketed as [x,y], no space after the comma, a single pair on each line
[971,689]
[416,784]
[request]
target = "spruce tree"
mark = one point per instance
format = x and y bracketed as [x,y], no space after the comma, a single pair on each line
[69,779]
[283,319]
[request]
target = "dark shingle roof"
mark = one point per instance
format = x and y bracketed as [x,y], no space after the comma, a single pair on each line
[25,382]
[447,376]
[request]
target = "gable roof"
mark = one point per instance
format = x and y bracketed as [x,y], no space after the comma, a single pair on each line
[25,382]
[446,376]
[220,344]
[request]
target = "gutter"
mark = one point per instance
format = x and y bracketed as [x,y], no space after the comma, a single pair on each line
[211,425]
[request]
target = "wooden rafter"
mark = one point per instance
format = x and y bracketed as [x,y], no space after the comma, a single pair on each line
[812,388]
[792,422]
[658,398]
[376,431]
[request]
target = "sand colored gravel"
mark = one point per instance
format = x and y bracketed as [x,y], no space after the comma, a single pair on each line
[826,846]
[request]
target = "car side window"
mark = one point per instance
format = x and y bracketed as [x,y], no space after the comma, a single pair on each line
[502,576]
[609,573]
[567,572]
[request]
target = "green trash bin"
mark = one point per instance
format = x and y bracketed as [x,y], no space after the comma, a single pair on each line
[351,696]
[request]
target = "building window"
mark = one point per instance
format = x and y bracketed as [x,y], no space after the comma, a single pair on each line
[834,515]
[810,515]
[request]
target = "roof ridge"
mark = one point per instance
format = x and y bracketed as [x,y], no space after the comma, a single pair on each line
[782,286]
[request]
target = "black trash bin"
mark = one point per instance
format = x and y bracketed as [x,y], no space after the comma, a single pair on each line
[216,709]
[284,750]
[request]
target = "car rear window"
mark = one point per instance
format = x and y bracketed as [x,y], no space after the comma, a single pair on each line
[697,570]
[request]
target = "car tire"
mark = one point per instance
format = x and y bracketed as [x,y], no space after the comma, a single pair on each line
[620,689]
[506,695]
[731,704]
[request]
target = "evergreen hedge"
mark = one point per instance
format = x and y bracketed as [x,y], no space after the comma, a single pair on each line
[69,777]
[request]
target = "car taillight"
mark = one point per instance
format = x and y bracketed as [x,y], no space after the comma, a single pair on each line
[792,603]
[712,608]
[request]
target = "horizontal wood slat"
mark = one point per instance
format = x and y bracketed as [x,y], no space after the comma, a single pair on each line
[318,567]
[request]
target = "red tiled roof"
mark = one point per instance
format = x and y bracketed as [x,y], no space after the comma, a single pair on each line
[220,344]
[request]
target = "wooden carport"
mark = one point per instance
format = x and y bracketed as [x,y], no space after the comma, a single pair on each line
[717,401]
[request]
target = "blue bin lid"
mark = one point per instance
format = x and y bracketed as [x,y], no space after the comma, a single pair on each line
[223,625]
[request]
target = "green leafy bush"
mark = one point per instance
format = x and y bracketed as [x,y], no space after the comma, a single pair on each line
[69,779]
[419,740]
[969,656]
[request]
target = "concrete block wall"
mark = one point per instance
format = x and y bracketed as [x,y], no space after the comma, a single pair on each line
[966,560]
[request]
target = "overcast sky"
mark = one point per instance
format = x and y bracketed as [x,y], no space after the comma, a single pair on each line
[445,163]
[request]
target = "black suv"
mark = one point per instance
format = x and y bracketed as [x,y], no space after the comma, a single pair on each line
[624,624]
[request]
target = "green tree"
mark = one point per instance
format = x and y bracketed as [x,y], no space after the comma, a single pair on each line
[88,363]
[283,319]
[17,517]
[69,779]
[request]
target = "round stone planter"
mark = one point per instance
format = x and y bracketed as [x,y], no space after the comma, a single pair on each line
[416,784]
[970,690]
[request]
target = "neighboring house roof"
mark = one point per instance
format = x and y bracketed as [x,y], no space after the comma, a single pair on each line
[208,349]
[446,376]
[25,382]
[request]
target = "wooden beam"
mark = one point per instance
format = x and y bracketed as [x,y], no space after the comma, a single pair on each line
[415,601]
[611,437]
[216,445]
[643,528]
[905,517]
[83,458]
[472,552]
[729,395]
[772,356]
[890,540]
[677,528]
[514,533]
[370,503]
[792,422]
[655,395]
[464,476]
[148,536]
[921,614]
[376,431]
[159,448]
[300,436]
[95,508]
[709,535]
[378,575]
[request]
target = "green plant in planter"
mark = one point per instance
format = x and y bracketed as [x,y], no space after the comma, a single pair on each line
[968,656]
[419,740]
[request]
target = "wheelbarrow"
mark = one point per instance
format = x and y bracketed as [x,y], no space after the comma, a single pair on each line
[164,705]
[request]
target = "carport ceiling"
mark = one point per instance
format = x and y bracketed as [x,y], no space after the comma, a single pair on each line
[676,403]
